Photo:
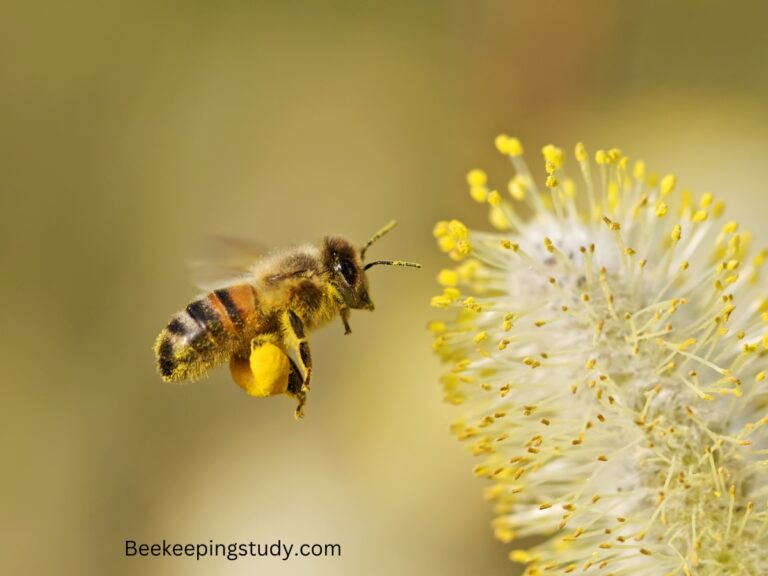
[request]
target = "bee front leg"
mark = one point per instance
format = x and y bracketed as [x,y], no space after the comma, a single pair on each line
[345,320]
[294,325]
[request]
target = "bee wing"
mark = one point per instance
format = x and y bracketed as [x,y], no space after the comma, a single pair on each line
[223,261]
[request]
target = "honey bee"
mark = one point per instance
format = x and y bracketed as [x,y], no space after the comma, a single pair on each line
[260,322]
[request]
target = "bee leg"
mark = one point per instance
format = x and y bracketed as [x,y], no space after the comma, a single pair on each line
[298,342]
[345,320]
[295,389]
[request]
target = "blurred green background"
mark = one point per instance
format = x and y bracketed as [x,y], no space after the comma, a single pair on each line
[130,131]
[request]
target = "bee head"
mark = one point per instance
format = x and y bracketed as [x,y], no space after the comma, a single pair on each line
[345,267]
[347,270]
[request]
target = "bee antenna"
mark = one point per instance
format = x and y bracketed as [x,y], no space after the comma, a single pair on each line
[375,237]
[392,263]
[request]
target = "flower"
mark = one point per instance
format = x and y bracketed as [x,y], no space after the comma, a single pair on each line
[610,362]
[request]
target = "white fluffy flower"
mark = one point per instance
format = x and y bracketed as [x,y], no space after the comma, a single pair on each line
[610,366]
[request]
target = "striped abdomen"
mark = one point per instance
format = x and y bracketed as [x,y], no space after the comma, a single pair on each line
[207,332]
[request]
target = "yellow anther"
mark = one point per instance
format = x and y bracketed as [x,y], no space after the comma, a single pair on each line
[479,193]
[601,157]
[718,209]
[494,198]
[706,200]
[548,246]
[700,216]
[480,337]
[677,232]
[463,247]
[476,178]
[458,229]
[614,155]
[520,556]
[668,184]
[508,146]
[470,304]
[551,181]
[446,243]
[436,327]
[514,147]
[440,302]
[440,229]
[661,209]
[615,226]
[502,143]
[686,344]
[452,294]
[581,152]
[731,227]
[553,155]
[638,171]
[532,362]
[448,277]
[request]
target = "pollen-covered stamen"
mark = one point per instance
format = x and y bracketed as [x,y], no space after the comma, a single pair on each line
[622,345]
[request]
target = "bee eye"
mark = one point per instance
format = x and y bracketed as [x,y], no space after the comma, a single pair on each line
[347,270]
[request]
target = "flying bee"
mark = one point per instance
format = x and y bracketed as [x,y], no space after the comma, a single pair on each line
[260,322]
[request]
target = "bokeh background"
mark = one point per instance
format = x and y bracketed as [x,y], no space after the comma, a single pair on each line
[132,130]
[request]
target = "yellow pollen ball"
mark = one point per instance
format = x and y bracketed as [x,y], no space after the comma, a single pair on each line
[494,198]
[269,370]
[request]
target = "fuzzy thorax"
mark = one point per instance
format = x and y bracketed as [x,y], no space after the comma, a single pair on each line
[608,351]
